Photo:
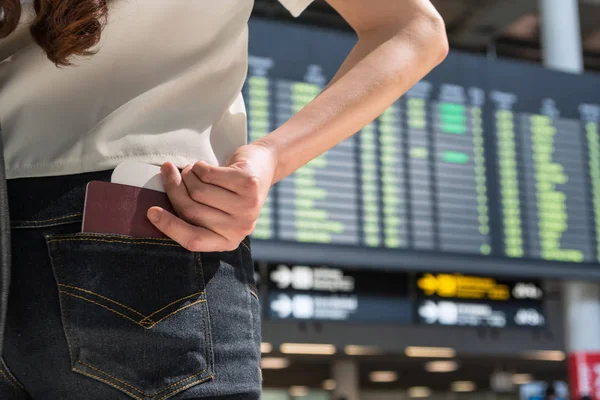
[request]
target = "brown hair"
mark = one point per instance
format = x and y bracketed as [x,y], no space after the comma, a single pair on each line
[63,28]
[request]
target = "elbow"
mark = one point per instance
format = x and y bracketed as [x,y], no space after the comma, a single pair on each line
[442,47]
[432,38]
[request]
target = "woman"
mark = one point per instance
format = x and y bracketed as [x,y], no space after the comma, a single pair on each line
[87,84]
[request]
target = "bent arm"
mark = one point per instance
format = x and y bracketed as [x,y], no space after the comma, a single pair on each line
[399,42]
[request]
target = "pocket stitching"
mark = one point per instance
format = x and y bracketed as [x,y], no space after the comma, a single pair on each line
[103,297]
[64,220]
[146,322]
[105,381]
[98,304]
[174,302]
[100,236]
[190,385]
[138,390]
[10,382]
[41,221]
[145,318]
[132,241]
[168,387]
[203,310]
[176,311]
[9,376]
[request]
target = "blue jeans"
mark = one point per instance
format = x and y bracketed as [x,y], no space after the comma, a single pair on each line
[102,317]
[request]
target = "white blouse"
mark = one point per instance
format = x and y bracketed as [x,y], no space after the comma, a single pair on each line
[165,85]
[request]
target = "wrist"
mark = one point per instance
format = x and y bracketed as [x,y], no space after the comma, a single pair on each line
[273,151]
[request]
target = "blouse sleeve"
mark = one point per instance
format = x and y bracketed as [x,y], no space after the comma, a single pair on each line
[295,7]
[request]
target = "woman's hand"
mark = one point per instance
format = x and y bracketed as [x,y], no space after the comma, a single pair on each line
[217,206]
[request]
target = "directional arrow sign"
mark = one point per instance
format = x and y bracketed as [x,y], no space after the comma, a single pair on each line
[428,283]
[282,306]
[429,312]
[282,276]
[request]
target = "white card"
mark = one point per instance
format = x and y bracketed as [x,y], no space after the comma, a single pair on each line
[139,174]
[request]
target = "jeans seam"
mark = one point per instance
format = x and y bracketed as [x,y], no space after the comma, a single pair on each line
[174,302]
[107,382]
[10,381]
[252,292]
[102,297]
[89,239]
[10,378]
[145,317]
[142,322]
[42,221]
[198,381]
[72,343]
[98,304]
[91,236]
[138,390]
[208,350]
[49,225]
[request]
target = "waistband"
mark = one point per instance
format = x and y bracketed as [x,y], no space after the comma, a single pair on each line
[48,201]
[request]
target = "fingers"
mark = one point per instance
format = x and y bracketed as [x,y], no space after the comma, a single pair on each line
[189,210]
[175,187]
[236,180]
[214,214]
[210,195]
[190,237]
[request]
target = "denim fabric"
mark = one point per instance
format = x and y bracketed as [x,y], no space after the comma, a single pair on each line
[4,245]
[102,317]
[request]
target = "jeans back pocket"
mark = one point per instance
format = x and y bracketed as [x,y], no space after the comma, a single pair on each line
[134,312]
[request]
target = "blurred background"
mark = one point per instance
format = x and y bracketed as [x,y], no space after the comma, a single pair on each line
[451,249]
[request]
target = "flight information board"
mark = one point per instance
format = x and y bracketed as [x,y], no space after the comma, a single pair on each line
[547,146]
[481,160]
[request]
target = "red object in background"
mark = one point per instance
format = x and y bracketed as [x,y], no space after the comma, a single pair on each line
[584,373]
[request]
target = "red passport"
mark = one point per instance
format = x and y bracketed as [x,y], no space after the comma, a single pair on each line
[121,209]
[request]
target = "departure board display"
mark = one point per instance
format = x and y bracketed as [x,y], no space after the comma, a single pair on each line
[548,162]
[492,161]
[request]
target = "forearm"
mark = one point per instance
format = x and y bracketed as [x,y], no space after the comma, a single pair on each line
[383,65]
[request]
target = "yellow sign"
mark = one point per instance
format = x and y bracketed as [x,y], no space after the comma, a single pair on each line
[463,287]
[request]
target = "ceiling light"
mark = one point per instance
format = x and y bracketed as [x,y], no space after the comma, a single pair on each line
[545,355]
[463,386]
[441,366]
[298,391]
[305,348]
[430,352]
[353,350]
[266,347]
[383,376]
[419,392]
[328,384]
[521,379]
[274,363]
